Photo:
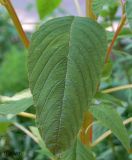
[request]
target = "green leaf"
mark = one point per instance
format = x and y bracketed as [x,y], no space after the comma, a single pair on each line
[78,152]
[41,143]
[121,53]
[108,99]
[98,5]
[4,127]
[109,118]
[45,7]
[98,130]
[15,107]
[129,11]
[65,61]
[5,122]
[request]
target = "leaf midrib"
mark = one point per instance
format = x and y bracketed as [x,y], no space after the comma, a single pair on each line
[62,105]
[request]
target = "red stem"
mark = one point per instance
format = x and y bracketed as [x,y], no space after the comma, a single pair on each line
[8,5]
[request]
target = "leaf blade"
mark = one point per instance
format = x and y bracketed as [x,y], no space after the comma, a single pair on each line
[15,107]
[109,118]
[63,75]
[45,7]
[77,152]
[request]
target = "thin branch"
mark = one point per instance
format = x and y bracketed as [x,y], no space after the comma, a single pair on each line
[78,7]
[26,131]
[122,2]
[120,26]
[106,134]
[115,89]
[8,5]
[123,6]
[89,11]
[27,115]
[86,137]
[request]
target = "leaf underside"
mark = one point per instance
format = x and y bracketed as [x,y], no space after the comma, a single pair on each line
[65,62]
[78,152]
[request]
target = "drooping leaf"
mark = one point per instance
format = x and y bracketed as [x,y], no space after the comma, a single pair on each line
[129,11]
[46,7]
[65,62]
[78,152]
[108,99]
[111,119]
[15,107]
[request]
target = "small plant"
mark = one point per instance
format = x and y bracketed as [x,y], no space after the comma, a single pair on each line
[68,57]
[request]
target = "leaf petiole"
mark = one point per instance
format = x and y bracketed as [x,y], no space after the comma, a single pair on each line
[8,5]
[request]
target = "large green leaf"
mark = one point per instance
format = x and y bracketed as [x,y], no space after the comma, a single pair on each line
[110,119]
[15,107]
[78,152]
[46,7]
[129,11]
[65,62]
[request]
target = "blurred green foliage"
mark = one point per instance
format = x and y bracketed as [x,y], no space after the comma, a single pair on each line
[8,34]
[13,71]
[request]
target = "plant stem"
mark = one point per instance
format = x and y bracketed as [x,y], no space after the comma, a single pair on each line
[86,137]
[119,88]
[121,24]
[89,11]
[78,7]
[123,6]
[8,5]
[27,115]
[106,134]
[26,131]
